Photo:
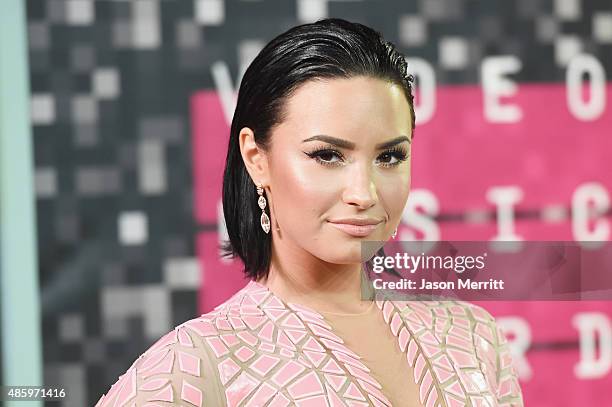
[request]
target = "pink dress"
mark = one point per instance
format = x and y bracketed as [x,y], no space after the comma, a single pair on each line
[256,350]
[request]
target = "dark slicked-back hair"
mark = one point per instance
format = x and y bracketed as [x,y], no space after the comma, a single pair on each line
[327,49]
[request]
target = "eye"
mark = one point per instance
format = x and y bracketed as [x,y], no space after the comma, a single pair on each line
[392,157]
[325,156]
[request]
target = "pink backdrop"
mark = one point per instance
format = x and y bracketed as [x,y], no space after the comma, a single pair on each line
[457,156]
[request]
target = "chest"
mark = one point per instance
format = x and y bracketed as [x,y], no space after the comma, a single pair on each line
[370,337]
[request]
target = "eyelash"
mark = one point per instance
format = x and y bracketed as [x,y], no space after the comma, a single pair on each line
[399,153]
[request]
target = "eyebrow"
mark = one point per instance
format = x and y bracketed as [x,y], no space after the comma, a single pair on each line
[351,146]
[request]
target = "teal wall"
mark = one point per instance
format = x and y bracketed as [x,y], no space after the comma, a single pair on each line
[19,288]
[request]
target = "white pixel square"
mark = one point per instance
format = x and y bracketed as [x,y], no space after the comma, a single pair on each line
[209,12]
[133,228]
[42,108]
[79,12]
[453,53]
[602,27]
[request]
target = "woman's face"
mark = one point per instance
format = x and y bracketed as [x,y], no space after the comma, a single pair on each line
[342,153]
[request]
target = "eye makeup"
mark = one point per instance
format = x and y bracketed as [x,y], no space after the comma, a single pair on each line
[324,155]
[320,154]
[398,153]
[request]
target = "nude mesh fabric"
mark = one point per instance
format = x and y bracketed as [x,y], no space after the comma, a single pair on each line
[256,350]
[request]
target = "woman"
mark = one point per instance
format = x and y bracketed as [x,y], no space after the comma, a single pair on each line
[318,161]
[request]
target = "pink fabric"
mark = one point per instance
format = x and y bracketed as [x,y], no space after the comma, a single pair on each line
[254,349]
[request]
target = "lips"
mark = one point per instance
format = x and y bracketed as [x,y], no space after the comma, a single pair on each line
[356,227]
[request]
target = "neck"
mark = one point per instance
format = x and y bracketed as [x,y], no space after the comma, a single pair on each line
[327,287]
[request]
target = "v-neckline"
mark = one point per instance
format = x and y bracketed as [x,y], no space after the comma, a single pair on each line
[292,304]
[392,323]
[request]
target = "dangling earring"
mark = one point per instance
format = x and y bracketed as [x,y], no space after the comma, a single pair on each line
[264,220]
[394,233]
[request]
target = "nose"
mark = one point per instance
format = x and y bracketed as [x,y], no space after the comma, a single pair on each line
[360,190]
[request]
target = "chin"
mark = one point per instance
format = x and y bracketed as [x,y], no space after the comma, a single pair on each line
[346,249]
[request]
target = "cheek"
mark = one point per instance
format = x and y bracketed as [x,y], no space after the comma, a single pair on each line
[301,190]
[394,193]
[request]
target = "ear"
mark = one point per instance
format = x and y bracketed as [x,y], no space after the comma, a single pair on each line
[255,159]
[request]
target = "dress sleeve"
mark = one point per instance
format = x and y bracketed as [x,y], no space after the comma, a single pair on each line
[493,351]
[175,371]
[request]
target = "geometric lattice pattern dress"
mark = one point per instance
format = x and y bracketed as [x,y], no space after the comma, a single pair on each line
[256,350]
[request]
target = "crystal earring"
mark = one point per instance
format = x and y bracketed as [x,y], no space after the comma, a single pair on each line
[394,233]
[264,220]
